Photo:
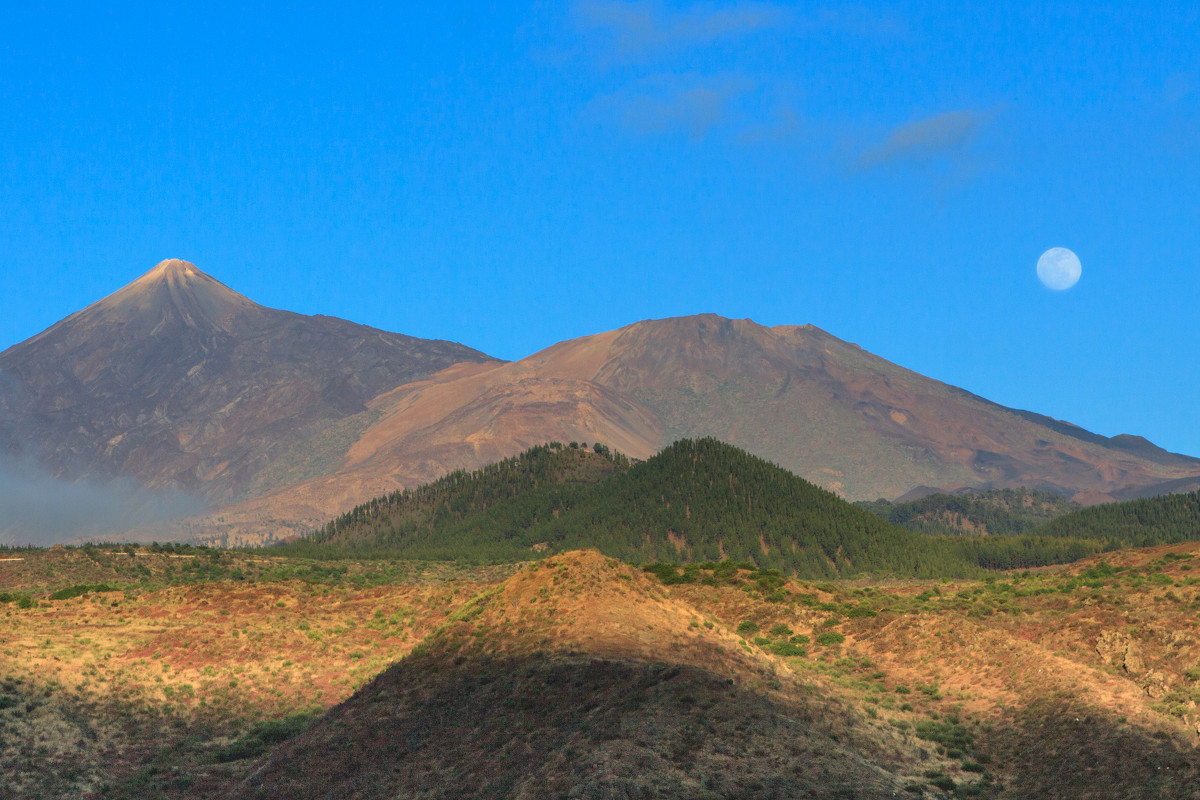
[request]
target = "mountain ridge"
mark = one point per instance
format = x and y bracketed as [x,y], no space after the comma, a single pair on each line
[283,420]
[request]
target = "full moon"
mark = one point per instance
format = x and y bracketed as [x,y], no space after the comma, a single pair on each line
[1059,268]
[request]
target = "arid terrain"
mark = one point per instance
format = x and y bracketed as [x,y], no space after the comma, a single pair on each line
[217,674]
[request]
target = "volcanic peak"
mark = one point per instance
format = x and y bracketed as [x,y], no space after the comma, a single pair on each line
[177,288]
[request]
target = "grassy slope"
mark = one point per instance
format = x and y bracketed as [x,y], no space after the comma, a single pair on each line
[1036,684]
[571,675]
[186,658]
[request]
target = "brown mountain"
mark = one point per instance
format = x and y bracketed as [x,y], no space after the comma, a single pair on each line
[284,420]
[179,382]
[819,406]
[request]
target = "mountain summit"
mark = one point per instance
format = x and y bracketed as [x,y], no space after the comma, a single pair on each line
[178,381]
[176,288]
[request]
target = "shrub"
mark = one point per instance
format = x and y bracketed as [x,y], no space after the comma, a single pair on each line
[830,638]
[669,573]
[950,735]
[781,630]
[81,589]
[787,649]
[748,627]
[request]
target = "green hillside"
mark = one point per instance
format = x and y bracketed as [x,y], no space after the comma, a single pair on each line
[994,512]
[506,496]
[695,501]
[1133,523]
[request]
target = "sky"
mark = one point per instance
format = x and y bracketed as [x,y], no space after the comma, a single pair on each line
[510,175]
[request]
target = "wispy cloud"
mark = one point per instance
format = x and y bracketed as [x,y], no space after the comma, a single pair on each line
[669,104]
[927,140]
[641,27]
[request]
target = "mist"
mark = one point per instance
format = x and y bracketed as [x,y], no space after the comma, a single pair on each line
[39,509]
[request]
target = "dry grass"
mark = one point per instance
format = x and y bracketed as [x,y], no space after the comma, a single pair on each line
[97,686]
[1031,684]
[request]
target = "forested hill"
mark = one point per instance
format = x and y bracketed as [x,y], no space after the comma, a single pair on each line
[1133,523]
[994,512]
[541,481]
[695,501]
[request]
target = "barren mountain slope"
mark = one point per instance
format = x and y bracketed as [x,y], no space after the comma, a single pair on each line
[179,382]
[821,407]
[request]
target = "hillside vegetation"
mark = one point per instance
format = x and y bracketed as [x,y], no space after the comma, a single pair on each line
[994,512]
[700,500]
[1133,523]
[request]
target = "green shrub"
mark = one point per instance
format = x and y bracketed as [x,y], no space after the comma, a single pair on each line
[950,735]
[787,649]
[830,638]
[781,630]
[80,589]
[748,627]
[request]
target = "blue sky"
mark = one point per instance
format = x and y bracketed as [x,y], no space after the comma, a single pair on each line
[512,175]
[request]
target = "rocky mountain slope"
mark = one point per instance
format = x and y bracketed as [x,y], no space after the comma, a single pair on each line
[179,382]
[818,406]
[282,421]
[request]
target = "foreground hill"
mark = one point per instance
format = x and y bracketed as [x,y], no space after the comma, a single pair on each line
[580,677]
[179,382]
[190,674]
